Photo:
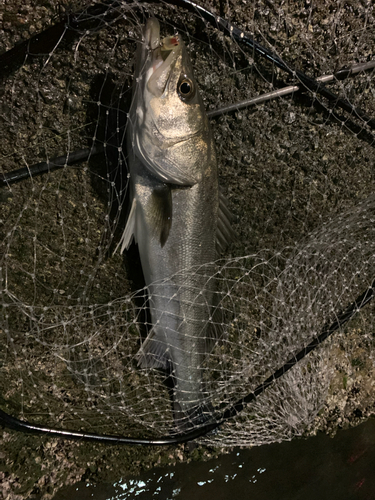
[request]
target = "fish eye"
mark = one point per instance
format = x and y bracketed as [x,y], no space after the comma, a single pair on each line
[185,89]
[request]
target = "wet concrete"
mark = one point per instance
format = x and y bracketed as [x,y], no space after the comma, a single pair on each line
[320,467]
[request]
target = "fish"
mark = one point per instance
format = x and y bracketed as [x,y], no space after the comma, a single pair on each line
[177,217]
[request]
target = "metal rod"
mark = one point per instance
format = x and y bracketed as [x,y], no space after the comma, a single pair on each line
[339,75]
[71,26]
[83,154]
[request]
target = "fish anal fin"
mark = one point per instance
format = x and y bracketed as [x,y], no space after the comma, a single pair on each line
[161,210]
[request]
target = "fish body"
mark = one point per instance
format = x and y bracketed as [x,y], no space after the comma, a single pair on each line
[174,215]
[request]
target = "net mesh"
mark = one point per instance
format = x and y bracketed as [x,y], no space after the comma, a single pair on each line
[298,174]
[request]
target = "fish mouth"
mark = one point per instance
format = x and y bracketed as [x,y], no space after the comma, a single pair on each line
[163,57]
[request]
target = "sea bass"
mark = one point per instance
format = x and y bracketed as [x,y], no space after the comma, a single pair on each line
[177,217]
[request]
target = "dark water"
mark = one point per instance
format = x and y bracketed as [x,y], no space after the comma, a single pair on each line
[342,468]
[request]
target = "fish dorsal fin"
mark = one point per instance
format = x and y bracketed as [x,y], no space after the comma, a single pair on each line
[224,233]
[161,210]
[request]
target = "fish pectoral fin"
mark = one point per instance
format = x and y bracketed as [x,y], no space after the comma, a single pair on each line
[161,210]
[225,234]
[128,233]
[154,353]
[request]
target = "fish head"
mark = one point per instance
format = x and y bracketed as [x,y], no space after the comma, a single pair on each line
[169,125]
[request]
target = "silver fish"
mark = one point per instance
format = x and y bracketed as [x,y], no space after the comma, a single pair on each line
[177,217]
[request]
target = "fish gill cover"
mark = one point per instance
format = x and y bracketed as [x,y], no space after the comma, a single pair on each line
[298,174]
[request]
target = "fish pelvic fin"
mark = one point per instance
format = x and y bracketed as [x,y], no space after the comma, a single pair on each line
[225,234]
[161,209]
[154,352]
[128,233]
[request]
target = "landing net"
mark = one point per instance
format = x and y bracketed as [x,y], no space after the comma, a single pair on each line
[298,173]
